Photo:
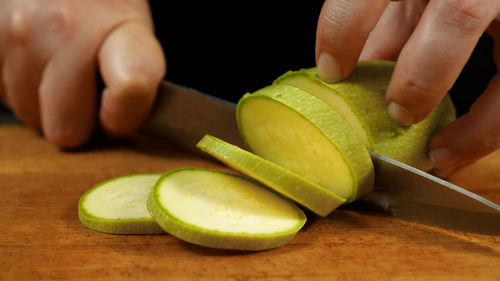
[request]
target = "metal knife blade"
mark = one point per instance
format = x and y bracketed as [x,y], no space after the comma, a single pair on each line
[185,115]
[408,193]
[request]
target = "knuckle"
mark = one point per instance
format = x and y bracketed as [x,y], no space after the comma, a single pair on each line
[424,95]
[463,17]
[27,21]
[61,21]
[19,25]
[488,141]
[486,134]
[422,90]
[137,86]
[337,14]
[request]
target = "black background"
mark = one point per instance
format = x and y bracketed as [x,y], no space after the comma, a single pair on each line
[230,50]
[227,51]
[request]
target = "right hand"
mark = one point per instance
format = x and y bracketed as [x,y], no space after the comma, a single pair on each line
[431,42]
[50,54]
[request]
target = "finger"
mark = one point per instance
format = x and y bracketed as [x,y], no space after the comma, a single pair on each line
[435,54]
[470,137]
[21,68]
[22,78]
[392,30]
[132,65]
[343,28]
[68,97]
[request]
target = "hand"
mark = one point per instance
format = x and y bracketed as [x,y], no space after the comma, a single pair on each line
[50,52]
[431,41]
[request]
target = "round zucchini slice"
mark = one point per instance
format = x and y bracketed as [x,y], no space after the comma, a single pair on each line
[118,206]
[220,210]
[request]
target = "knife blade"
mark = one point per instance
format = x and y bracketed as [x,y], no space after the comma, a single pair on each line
[185,115]
[411,194]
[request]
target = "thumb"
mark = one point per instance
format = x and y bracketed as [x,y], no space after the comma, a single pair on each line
[470,137]
[132,65]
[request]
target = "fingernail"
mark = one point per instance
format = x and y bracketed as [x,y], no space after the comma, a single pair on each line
[443,157]
[400,115]
[329,68]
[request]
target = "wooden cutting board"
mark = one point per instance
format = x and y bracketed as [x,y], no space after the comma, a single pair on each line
[41,237]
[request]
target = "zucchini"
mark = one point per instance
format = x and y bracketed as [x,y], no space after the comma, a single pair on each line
[118,206]
[360,100]
[220,210]
[295,130]
[291,185]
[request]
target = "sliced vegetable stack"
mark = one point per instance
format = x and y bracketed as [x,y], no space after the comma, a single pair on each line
[308,143]
[308,194]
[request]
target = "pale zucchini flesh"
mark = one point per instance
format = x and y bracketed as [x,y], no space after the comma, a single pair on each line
[337,102]
[291,185]
[220,210]
[301,133]
[118,206]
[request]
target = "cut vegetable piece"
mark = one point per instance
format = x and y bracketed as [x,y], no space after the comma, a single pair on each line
[293,186]
[219,210]
[360,99]
[300,132]
[119,206]
[410,145]
[357,98]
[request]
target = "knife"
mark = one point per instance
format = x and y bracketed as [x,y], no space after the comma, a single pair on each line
[185,115]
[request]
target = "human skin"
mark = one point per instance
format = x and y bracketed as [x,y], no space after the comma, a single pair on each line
[51,53]
[431,42]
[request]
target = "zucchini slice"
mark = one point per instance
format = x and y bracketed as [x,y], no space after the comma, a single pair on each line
[360,100]
[219,210]
[289,184]
[118,206]
[295,130]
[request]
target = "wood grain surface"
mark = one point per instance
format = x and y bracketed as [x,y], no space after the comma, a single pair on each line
[42,239]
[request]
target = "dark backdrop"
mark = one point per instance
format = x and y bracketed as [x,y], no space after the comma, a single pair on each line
[230,50]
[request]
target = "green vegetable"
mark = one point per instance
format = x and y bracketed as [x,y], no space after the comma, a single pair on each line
[119,206]
[301,133]
[220,210]
[283,181]
[360,100]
